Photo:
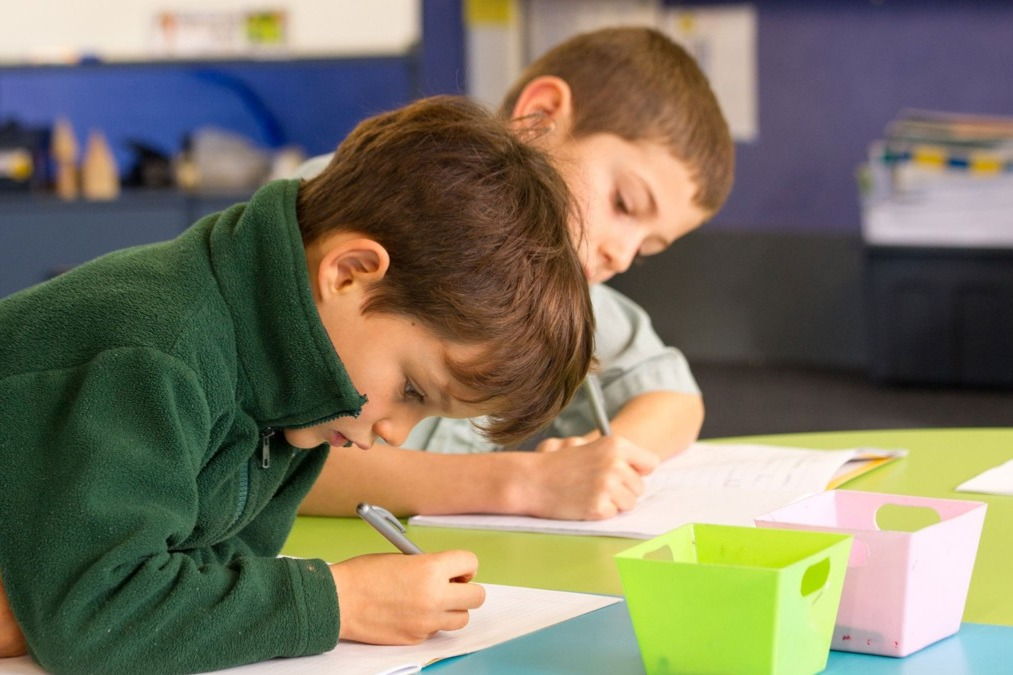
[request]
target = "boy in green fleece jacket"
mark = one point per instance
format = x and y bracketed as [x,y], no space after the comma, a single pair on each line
[166,408]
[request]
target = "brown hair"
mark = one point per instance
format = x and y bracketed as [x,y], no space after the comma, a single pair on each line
[475,223]
[640,85]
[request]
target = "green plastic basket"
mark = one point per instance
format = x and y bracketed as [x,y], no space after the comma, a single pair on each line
[724,599]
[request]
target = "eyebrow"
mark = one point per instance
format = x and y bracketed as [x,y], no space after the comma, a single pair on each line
[450,403]
[439,390]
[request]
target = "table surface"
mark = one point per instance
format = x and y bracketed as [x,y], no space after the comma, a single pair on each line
[603,642]
[938,461]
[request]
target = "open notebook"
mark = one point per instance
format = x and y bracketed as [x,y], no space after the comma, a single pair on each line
[708,483]
[508,612]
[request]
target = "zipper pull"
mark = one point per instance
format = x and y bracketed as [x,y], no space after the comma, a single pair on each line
[265,448]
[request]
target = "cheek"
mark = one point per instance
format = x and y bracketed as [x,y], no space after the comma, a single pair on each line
[592,227]
[604,231]
[584,249]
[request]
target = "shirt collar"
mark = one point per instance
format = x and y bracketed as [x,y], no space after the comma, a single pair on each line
[294,375]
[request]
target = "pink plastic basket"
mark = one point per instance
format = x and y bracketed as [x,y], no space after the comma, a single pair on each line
[903,590]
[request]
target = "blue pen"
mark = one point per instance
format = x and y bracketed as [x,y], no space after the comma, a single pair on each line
[594,394]
[384,522]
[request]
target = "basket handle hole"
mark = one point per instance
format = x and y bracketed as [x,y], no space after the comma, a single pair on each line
[815,578]
[903,518]
[663,553]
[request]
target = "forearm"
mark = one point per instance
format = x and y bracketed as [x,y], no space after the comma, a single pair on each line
[407,482]
[663,422]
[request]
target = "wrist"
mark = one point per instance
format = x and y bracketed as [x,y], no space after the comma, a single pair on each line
[512,488]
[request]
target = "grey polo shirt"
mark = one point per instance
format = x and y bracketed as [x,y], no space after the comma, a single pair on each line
[633,361]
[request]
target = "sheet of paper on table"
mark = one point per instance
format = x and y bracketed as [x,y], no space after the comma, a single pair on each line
[995,481]
[508,612]
[708,483]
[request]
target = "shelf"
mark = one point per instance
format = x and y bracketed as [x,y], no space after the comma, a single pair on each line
[44,235]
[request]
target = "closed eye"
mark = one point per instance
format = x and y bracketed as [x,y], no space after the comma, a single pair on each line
[621,205]
[410,393]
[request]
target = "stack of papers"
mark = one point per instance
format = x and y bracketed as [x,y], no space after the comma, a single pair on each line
[708,483]
[940,179]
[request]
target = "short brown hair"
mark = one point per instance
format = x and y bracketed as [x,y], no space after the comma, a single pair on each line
[640,85]
[475,223]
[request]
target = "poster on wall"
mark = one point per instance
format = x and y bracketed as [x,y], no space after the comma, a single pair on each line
[190,34]
[722,38]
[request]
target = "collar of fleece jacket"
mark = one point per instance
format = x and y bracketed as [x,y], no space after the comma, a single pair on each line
[259,261]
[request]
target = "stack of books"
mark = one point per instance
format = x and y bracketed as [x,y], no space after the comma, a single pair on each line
[941,180]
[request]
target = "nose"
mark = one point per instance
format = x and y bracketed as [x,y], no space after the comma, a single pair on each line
[618,254]
[393,431]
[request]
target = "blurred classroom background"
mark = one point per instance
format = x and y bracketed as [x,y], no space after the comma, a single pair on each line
[860,276]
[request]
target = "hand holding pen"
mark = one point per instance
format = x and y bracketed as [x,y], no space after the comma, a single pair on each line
[399,600]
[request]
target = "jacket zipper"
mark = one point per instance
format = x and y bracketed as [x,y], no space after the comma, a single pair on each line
[244,475]
[244,494]
[265,447]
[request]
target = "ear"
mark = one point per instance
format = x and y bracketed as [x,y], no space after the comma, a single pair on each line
[351,264]
[549,96]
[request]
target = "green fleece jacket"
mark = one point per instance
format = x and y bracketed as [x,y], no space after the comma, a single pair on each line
[144,494]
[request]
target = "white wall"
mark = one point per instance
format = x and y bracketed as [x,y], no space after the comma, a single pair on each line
[117,30]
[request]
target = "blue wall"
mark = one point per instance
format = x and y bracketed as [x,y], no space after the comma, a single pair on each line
[833,73]
[313,104]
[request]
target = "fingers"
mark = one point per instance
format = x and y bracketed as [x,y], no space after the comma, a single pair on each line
[456,620]
[620,494]
[458,595]
[633,463]
[465,596]
[459,566]
[602,477]
[555,444]
[462,566]
[403,599]
[630,485]
[642,461]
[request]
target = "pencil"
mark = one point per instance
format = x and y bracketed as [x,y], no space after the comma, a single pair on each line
[597,399]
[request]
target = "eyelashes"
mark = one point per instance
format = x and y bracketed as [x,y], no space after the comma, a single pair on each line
[621,205]
[410,393]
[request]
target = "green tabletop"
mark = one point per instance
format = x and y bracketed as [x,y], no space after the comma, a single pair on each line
[938,461]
